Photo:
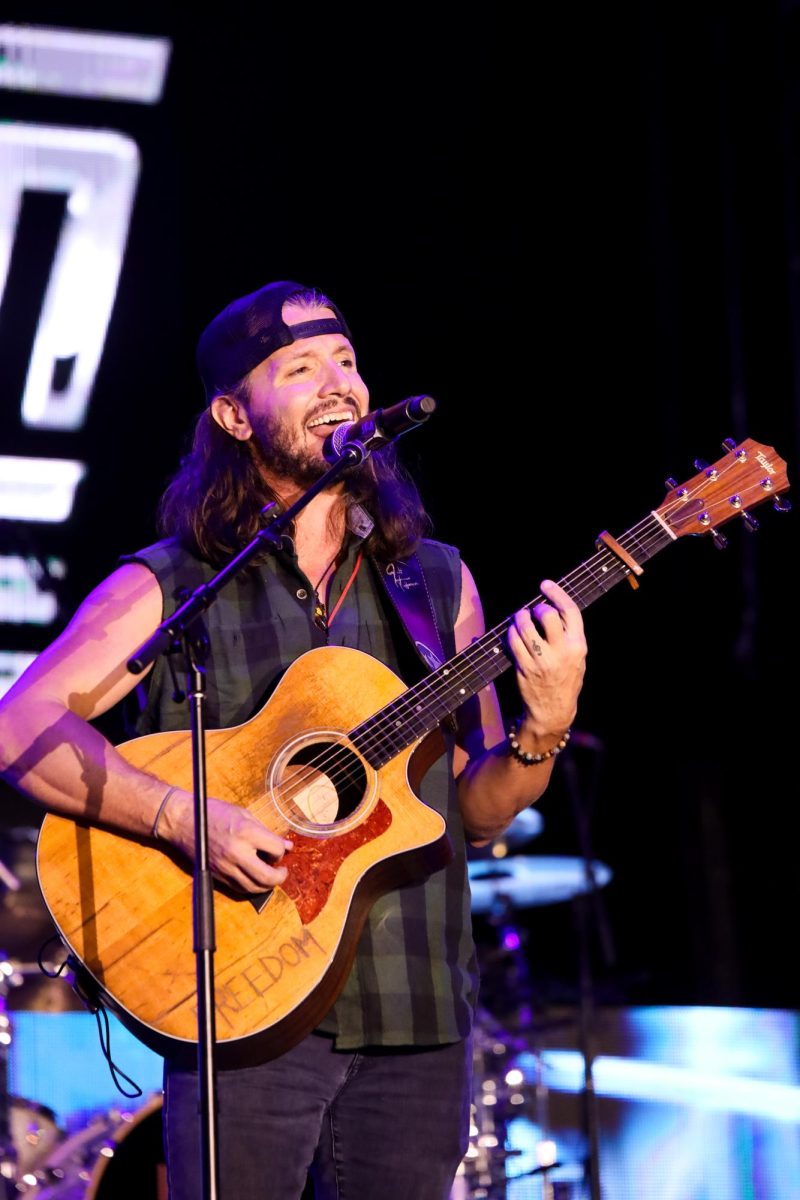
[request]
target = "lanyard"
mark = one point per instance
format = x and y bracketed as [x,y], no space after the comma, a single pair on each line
[319,609]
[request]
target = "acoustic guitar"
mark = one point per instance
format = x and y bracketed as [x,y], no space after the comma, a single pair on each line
[332,760]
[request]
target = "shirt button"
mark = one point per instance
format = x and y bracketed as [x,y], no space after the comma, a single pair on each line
[302,594]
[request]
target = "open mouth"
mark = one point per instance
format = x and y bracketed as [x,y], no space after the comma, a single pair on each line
[322,426]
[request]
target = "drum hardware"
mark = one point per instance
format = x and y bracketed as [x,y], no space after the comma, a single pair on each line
[546,1149]
[118,1155]
[502,1094]
[66,1172]
[34,1132]
[482,1174]
[501,888]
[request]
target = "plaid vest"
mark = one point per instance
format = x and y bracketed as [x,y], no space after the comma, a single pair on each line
[414,978]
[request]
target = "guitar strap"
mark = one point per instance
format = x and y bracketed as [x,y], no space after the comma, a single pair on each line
[407,588]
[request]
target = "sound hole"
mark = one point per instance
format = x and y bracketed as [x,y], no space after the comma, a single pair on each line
[319,784]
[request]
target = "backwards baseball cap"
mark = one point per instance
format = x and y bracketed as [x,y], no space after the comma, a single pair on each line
[252,328]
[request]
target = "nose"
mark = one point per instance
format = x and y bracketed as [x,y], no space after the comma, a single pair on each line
[335,380]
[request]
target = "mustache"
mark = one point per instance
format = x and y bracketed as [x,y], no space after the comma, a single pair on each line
[332,406]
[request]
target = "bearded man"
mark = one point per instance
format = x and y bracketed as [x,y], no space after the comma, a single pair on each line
[374,1102]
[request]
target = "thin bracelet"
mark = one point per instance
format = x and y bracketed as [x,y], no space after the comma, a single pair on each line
[161,807]
[525,757]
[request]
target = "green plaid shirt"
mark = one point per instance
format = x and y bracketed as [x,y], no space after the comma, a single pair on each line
[414,979]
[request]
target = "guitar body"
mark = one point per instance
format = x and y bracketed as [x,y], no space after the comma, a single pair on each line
[123,905]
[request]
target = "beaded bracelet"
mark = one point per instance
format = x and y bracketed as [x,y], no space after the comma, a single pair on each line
[524,756]
[161,807]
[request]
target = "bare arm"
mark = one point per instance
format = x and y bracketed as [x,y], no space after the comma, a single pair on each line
[49,751]
[549,654]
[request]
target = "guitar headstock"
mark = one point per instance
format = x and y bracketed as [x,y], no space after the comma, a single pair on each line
[746,476]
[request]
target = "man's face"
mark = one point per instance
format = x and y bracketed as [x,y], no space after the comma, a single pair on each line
[299,394]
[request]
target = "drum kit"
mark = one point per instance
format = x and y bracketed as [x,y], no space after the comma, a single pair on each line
[515,1152]
[118,1155]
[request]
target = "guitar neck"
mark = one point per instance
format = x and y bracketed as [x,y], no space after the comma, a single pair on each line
[423,707]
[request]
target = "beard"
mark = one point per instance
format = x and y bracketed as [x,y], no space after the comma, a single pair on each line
[281,453]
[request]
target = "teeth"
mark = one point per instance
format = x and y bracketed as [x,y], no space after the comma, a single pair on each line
[329,419]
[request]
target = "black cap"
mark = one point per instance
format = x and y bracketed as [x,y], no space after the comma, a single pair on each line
[252,328]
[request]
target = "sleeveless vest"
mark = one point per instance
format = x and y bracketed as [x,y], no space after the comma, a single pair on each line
[414,979]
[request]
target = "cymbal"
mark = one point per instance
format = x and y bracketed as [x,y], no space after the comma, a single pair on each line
[524,828]
[524,881]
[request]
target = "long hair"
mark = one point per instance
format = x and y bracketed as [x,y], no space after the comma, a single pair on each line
[213,504]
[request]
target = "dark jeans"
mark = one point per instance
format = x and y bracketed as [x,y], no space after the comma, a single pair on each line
[379,1124]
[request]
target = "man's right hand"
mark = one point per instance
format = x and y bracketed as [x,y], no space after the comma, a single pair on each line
[242,852]
[50,751]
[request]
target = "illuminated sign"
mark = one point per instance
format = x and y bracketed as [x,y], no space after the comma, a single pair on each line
[96,171]
[25,598]
[12,664]
[38,489]
[73,62]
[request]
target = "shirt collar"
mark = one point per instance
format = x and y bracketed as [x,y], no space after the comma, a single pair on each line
[359,522]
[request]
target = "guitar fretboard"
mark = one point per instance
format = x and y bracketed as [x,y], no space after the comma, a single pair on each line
[423,707]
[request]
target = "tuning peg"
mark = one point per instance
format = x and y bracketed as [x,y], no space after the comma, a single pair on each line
[700,464]
[782,504]
[670,482]
[720,541]
[750,521]
[739,451]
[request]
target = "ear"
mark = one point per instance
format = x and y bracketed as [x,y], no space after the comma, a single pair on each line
[231,415]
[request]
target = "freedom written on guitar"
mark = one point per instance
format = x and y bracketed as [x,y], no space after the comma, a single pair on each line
[333,760]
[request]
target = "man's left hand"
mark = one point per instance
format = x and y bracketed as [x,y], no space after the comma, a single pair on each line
[549,651]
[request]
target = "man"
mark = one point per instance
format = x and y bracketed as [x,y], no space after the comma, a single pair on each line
[375,1102]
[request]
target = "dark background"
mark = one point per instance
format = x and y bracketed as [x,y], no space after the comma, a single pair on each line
[579,232]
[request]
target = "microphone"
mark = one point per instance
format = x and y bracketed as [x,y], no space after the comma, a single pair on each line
[378,428]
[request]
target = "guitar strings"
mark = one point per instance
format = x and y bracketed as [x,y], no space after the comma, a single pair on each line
[336,763]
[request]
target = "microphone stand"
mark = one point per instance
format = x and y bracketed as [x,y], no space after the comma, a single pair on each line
[184,633]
